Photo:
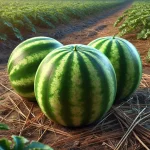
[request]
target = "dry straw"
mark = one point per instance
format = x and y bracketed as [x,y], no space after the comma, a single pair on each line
[125,127]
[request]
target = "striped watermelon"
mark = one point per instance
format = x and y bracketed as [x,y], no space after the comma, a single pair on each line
[126,62]
[24,61]
[75,85]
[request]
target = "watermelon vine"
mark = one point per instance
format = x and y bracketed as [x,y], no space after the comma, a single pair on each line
[135,20]
[20,143]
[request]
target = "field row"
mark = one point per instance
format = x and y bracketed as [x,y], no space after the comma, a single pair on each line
[17,17]
[136,20]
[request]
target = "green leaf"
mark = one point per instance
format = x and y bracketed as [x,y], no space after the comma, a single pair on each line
[148,56]
[29,24]
[17,33]
[19,142]
[135,20]
[3,127]
[46,22]
[3,36]
[142,34]
[8,24]
[119,20]
[37,146]
[5,144]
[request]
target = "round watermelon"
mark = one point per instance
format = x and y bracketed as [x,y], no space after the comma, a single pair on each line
[24,61]
[75,85]
[125,60]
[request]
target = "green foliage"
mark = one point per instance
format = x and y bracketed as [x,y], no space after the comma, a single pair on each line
[3,127]
[135,20]
[148,56]
[20,143]
[19,16]
[3,36]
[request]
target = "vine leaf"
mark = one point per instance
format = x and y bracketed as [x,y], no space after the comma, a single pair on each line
[19,142]
[3,127]
[5,144]
[37,145]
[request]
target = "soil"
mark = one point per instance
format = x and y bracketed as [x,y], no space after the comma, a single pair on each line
[78,31]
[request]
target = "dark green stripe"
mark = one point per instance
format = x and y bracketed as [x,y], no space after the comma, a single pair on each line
[122,72]
[97,40]
[100,43]
[137,71]
[34,49]
[105,60]
[29,41]
[86,85]
[108,49]
[34,39]
[105,87]
[28,70]
[24,89]
[47,84]
[26,42]
[64,92]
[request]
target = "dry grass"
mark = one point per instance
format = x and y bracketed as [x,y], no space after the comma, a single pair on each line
[126,126]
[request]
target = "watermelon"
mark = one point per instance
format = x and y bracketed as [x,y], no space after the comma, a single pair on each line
[126,62]
[75,85]
[24,61]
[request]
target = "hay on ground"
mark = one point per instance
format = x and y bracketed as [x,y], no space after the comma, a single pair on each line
[125,126]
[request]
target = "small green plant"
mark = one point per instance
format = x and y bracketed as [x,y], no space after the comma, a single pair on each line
[148,56]
[135,20]
[3,127]
[20,143]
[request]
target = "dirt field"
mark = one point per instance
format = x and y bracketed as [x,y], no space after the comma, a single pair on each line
[26,119]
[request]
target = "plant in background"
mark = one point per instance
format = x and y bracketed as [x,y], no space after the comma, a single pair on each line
[3,127]
[148,56]
[135,20]
[20,143]
[18,17]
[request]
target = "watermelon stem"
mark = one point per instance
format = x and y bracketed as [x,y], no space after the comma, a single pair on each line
[114,36]
[75,49]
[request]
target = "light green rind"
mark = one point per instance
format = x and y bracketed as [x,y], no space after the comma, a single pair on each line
[72,91]
[24,61]
[125,60]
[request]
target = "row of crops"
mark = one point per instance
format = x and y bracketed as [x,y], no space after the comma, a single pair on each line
[17,17]
[136,20]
